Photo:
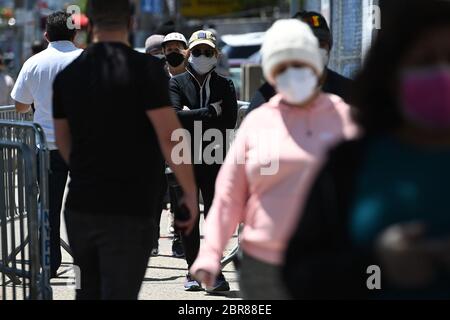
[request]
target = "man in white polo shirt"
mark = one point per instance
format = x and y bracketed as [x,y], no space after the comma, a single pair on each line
[35,85]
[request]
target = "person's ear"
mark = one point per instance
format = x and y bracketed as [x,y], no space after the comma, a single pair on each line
[46,36]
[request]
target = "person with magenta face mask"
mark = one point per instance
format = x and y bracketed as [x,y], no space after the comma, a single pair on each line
[204,100]
[382,201]
[293,131]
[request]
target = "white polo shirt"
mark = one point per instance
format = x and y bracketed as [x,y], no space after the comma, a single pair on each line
[35,82]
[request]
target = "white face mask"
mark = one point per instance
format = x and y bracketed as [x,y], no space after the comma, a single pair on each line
[325,57]
[297,85]
[202,65]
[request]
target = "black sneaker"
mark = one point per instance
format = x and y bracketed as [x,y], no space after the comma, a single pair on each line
[221,285]
[177,249]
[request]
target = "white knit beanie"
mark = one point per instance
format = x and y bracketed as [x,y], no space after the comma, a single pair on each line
[290,39]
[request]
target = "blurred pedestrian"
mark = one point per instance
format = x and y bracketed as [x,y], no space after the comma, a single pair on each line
[6,84]
[204,100]
[113,125]
[383,200]
[266,173]
[331,81]
[34,86]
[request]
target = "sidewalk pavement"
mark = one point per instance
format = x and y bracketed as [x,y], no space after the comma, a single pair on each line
[165,275]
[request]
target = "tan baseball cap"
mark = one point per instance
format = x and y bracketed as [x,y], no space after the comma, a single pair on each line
[202,37]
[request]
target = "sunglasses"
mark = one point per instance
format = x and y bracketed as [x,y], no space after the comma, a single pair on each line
[209,53]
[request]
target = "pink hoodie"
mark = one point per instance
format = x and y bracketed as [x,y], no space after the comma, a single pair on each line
[267,199]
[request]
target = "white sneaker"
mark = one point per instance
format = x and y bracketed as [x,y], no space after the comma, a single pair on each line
[171,224]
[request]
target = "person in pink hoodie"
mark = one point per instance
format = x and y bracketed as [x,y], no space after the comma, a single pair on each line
[266,174]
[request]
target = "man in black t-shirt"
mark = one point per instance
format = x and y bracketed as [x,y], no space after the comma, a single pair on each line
[113,125]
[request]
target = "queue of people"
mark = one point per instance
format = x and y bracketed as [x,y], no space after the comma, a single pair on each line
[327,176]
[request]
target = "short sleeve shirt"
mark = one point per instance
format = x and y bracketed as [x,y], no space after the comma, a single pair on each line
[35,81]
[116,163]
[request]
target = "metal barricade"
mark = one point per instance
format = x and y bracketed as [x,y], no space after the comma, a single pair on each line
[32,135]
[10,113]
[242,111]
[19,223]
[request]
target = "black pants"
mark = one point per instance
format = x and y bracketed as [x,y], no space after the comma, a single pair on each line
[157,215]
[112,253]
[56,184]
[206,180]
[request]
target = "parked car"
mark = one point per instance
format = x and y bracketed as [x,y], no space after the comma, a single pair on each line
[238,48]
[235,76]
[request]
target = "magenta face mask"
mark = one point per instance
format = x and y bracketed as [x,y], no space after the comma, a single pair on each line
[425,96]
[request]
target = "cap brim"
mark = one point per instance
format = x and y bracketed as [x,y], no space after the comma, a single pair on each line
[199,42]
[174,40]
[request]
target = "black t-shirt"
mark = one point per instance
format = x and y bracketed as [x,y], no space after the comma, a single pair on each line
[116,163]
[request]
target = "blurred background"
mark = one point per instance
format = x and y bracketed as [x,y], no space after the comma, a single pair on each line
[240,24]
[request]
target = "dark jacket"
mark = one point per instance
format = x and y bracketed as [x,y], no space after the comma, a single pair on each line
[321,260]
[334,83]
[185,90]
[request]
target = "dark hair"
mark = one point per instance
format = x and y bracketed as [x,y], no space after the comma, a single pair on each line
[109,14]
[57,27]
[38,46]
[317,23]
[373,93]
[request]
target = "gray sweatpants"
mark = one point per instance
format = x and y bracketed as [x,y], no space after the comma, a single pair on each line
[261,281]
